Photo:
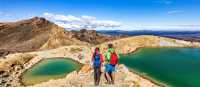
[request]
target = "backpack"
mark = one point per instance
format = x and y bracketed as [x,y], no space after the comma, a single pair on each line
[113,59]
[97,61]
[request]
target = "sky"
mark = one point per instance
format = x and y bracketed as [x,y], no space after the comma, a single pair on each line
[108,14]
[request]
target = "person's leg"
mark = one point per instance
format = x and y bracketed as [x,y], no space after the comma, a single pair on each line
[113,74]
[107,76]
[95,75]
[98,76]
[113,77]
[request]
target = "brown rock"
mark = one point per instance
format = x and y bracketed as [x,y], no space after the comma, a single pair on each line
[92,37]
[33,34]
[86,69]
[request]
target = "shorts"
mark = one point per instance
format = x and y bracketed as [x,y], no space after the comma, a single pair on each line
[109,68]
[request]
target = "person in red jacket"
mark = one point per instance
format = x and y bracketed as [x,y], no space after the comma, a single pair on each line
[97,60]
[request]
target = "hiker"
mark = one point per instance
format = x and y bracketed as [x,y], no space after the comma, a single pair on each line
[111,60]
[97,61]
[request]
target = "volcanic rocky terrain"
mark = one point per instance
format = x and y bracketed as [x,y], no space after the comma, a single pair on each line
[39,34]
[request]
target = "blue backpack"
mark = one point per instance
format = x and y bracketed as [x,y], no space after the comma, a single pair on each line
[97,61]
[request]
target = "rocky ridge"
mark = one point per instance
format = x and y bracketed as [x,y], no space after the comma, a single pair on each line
[125,79]
[38,33]
[12,68]
[131,44]
[92,37]
[34,34]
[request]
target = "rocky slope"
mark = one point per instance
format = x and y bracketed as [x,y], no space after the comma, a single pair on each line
[38,33]
[131,44]
[92,37]
[12,68]
[15,64]
[83,78]
[33,34]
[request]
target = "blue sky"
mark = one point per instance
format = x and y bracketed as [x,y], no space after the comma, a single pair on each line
[132,14]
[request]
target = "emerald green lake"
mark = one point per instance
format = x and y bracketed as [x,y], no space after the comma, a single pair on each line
[174,67]
[49,69]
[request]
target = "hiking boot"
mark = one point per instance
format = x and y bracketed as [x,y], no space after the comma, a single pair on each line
[112,82]
[96,83]
[108,82]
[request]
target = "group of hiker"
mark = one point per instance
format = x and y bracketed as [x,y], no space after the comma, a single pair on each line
[108,60]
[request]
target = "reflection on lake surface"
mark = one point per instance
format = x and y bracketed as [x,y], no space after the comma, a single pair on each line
[49,69]
[176,67]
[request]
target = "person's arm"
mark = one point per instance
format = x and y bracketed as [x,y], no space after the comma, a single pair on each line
[92,59]
[106,57]
[117,55]
[102,60]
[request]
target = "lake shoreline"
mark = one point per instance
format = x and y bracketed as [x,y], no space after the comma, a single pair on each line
[42,59]
[145,80]
[157,82]
[66,51]
[139,70]
[132,71]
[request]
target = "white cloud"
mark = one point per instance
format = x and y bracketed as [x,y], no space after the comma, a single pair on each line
[72,22]
[90,22]
[67,18]
[6,17]
[85,17]
[167,2]
[174,12]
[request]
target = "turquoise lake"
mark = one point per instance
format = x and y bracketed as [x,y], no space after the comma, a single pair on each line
[174,67]
[49,69]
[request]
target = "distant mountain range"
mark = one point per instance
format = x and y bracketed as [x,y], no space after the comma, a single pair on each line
[183,35]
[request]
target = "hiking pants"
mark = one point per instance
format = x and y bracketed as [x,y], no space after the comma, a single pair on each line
[97,75]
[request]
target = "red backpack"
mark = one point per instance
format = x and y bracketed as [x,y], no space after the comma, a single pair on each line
[113,59]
